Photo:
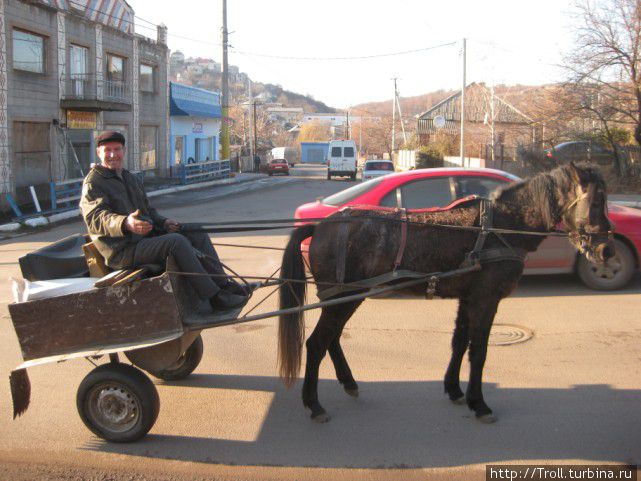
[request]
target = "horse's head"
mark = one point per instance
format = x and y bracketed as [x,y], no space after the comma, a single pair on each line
[586,214]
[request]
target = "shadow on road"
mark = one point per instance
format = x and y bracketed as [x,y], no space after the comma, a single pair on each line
[411,425]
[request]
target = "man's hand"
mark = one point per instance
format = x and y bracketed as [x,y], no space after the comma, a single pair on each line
[137,226]
[171,225]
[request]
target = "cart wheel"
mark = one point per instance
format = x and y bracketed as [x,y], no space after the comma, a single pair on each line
[118,402]
[187,363]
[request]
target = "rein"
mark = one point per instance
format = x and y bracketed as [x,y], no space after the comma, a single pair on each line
[254,226]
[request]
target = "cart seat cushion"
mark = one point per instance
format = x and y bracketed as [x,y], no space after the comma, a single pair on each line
[60,260]
[25,290]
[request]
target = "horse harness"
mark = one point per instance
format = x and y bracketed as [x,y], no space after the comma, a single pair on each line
[473,260]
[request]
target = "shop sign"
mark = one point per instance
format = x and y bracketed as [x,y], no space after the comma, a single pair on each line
[197,128]
[81,120]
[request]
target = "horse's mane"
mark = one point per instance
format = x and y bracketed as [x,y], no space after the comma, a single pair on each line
[547,191]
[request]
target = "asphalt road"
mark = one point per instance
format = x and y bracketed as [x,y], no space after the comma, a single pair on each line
[571,393]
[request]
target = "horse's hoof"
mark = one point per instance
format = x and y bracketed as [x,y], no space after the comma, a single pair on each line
[352,392]
[487,418]
[458,401]
[321,418]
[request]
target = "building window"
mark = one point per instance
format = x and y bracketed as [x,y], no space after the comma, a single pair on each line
[179,145]
[28,51]
[146,78]
[148,147]
[78,70]
[115,68]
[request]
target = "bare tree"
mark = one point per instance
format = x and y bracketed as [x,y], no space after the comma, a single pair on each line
[314,132]
[605,64]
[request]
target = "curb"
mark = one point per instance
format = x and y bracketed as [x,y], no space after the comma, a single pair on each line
[40,221]
[636,204]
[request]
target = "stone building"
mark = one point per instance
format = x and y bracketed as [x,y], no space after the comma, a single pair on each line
[68,70]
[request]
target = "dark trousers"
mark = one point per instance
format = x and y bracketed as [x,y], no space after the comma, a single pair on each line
[185,250]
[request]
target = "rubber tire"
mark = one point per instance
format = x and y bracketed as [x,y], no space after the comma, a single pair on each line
[622,278]
[137,383]
[190,361]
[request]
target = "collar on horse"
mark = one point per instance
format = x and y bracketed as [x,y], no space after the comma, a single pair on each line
[479,255]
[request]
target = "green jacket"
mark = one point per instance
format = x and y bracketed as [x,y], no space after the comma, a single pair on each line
[105,203]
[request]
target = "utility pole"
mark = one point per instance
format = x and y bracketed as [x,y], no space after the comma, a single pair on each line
[360,135]
[394,118]
[462,106]
[400,113]
[251,121]
[255,131]
[225,87]
[492,121]
[348,133]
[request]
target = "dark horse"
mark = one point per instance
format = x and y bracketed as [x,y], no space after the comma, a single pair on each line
[574,195]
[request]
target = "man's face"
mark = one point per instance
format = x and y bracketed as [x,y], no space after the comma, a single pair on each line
[111,155]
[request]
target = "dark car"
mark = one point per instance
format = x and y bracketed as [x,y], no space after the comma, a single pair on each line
[580,151]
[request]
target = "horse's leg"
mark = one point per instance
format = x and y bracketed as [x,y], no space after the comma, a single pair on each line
[343,372]
[330,324]
[481,313]
[460,341]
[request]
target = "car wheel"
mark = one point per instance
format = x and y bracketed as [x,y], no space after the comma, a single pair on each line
[118,402]
[187,363]
[614,274]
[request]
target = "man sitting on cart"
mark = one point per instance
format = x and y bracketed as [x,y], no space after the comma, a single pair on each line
[129,232]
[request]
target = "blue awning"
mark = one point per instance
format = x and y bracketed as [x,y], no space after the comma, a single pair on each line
[185,100]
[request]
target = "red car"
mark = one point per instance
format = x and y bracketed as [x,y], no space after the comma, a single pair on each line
[425,188]
[277,166]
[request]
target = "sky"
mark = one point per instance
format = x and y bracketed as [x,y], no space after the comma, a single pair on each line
[508,42]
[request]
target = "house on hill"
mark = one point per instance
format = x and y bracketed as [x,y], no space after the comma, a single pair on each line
[490,121]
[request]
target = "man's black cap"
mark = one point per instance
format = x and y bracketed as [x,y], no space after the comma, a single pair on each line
[110,136]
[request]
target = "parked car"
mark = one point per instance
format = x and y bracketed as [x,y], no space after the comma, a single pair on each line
[341,159]
[580,151]
[425,188]
[277,166]
[377,168]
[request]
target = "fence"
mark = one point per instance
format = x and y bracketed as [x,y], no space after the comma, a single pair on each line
[202,171]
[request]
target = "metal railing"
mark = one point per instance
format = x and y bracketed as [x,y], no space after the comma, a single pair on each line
[89,87]
[202,171]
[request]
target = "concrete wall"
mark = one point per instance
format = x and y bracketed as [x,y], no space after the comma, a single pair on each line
[31,97]
[35,97]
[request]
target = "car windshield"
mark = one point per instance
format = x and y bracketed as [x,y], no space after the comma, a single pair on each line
[346,195]
[278,161]
[379,166]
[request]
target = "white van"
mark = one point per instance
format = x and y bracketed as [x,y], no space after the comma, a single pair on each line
[341,159]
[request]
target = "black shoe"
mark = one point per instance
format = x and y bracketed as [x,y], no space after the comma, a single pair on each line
[227,300]
[241,289]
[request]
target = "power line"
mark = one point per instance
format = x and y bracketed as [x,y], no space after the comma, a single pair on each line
[357,57]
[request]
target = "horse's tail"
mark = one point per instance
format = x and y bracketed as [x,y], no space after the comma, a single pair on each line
[291,328]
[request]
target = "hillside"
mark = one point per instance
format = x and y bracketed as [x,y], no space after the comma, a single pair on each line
[411,106]
[522,97]
[268,93]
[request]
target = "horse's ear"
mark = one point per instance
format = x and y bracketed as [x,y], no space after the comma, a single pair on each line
[580,176]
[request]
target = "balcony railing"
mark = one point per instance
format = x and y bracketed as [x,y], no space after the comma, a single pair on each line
[87,90]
